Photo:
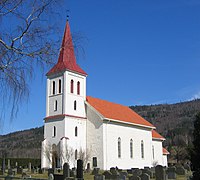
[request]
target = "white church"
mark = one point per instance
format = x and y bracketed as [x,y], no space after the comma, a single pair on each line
[102,133]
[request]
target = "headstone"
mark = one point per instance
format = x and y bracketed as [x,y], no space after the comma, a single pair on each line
[129,171]
[99,177]
[29,166]
[8,164]
[51,171]
[187,167]
[124,173]
[58,177]
[73,173]
[33,171]
[50,177]
[19,170]
[160,173]
[88,168]
[145,177]
[40,171]
[171,172]
[147,171]
[180,170]
[114,171]
[134,178]
[66,172]
[107,174]
[16,164]
[79,174]
[10,172]
[95,171]
[137,172]
[122,177]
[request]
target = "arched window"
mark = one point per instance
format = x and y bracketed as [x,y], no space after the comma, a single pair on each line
[54,131]
[55,105]
[54,88]
[131,148]
[72,86]
[119,147]
[78,88]
[60,86]
[74,105]
[76,154]
[153,151]
[76,131]
[142,149]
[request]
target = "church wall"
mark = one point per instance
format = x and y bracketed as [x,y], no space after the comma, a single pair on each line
[165,160]
[70,98]
[158,152]
[95,137]
[51,98]
[113,131]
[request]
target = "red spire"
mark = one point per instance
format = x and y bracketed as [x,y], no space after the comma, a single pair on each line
[67,59]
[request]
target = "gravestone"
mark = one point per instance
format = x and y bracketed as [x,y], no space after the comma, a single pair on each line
[129,171]
[99,177]
[51,171]
[160,173]
[58,177]
[73,173]
[88,168]
[19,170]
[137,172]
[145,177]
[66,172]
[8,166]
[11,172]
[107,174]
[79,172]
[122,177]
[134,178]
[171,172]
[180,170]
[40,171]
[50,177]
[16,164]
[123,173]
[147,171]
[114,171]
[95,171]
[29,166]
[33,171]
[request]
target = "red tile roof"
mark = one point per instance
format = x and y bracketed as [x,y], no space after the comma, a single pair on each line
[156,135]
[67,59]
[165,152]
[118,112]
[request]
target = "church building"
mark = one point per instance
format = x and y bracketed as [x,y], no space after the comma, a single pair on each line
[102,133]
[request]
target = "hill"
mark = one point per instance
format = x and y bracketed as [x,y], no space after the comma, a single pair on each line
[173,121]
[22,144]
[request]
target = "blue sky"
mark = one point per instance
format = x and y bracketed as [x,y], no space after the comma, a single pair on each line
[137,52]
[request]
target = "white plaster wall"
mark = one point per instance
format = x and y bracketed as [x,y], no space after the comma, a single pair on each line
[165,160]
[71,97]
[112,131]
[60,130]
[52,97]
[79,141]
[158,152]
[95,137]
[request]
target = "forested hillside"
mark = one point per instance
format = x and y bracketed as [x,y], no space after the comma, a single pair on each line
[22,144]
[173,121]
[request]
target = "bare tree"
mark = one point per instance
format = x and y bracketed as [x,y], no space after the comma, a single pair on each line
[84,155]
[27,41]
[67,153]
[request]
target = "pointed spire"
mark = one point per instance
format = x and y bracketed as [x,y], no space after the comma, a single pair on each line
[67,59]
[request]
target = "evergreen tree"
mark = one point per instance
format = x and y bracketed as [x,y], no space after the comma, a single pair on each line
[195,155]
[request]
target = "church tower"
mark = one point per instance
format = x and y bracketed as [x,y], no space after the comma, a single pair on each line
[65,121]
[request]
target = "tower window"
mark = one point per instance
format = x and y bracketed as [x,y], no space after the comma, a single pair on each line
[74,105]
[119,147]
[72,86]
[55,105]
[59,90]
[142,149]
[78,88]
[54,88]
[131,148]
[153,151]
[76,154]
[76,131]
[54,131]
